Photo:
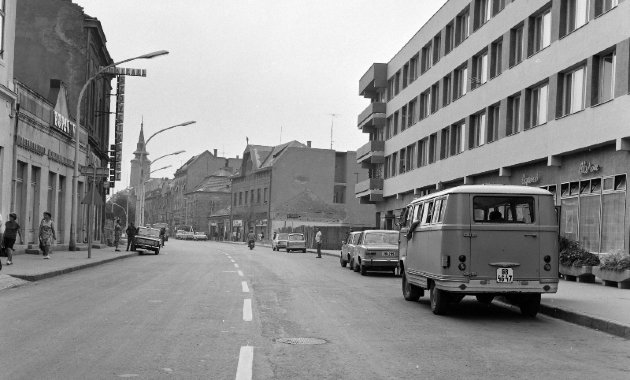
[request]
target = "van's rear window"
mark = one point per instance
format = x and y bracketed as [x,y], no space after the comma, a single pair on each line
[503,209]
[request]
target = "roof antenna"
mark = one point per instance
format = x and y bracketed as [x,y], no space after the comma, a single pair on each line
[281,134]
[332,120]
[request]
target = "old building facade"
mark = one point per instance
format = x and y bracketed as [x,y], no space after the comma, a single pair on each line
[531,93]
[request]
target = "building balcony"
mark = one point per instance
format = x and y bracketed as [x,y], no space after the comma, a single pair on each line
[372,117]
[375,78]
[370,190]
[371,153]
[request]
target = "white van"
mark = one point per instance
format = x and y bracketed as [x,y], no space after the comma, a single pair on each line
[481,240]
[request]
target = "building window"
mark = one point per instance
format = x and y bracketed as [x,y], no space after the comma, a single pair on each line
[240,198]
[483,12]
[413,68]
[427,57]
[480,69]
[445,139]
[411,109]
[405,73]
[422,152]
[246,196]
[425,103]
[401,165]
[493,123]
[258,196]
[537,105]
[572,94]
[576,14]
[447,90]
[2,16]
[433,148]
[393,162]
[411,157]
[388,128]
[403,118]
[265,195]
[497,6]
[603,6]
[449,34]
[390,88]
[477,133]
[435,97]
[513,115]
[386,167]
[541,31]
[516,45]
[437,48]
[457,137]
[496,58]
[460,78]
[395,123]
[605,77]
[462,26]
[397,83]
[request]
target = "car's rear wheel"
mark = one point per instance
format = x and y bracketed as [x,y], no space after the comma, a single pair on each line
[156,251]
[288,250]
[410,292]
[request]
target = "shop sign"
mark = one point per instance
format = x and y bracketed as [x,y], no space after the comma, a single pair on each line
[588,167]
[63,124]
[30,146]
[237,223]
[54,156]
[261,223]
[293,216]
[527,180]
[213,224]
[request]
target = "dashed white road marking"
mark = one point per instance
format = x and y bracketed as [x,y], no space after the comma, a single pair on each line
[245,287]
[245,363]
[235,265]
[240,273]
[247,310]
[232,260]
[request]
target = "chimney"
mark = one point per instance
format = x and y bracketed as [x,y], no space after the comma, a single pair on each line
[237,156]
[308,144]
[215,152]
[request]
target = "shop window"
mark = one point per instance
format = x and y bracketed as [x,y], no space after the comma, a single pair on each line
[564,190]
[589,219]
[596,185]
[620,182]
[585,187]
[574,188]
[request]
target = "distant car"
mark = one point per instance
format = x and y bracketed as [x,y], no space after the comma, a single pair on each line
[296,242]
[376,250]
[200,236]
[178,234]
[147,239]
[347,248]
[280,241]
[188,235]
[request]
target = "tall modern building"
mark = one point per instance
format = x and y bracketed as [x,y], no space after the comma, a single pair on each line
[532,93]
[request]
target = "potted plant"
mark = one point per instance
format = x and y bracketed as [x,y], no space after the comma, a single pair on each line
[575,261]
[614,270]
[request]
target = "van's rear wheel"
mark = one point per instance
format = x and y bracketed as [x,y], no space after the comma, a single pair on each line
[410,292]
[439,300]
[485,298]
[529,304]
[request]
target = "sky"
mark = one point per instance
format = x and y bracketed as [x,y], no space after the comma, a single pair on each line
[271,71]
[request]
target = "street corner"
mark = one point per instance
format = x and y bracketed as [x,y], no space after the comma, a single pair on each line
[8,282]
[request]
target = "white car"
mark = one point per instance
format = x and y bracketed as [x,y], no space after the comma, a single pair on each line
[200,236]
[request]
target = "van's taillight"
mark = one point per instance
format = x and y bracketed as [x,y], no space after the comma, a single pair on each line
[547,259]
[547,267]
[462,258]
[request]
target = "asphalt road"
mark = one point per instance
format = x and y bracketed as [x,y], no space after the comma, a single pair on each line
[185,314]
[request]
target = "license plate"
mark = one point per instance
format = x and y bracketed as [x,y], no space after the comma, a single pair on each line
[389,254]
[505,275]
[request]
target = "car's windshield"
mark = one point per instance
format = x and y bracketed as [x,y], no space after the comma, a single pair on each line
[381,238]
[296,237]
[144,231]
[282,237]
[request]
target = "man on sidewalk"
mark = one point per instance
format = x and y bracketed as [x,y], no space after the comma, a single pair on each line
[131,234]
[318,243]
[11,231]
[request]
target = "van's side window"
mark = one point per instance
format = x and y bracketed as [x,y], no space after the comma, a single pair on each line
[409,216]
[417,214]
[442,210]
[503,209]
[428,212]
[436,210]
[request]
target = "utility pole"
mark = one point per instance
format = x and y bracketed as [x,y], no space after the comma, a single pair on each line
[332,121]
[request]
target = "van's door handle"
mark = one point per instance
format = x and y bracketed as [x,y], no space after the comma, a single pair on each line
[531,235]
[470,235]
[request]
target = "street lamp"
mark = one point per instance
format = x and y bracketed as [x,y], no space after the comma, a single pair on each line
[75,174]
[164,167]
[140,217]
[166,155]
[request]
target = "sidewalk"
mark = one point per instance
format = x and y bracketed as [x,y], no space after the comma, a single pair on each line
[590,305]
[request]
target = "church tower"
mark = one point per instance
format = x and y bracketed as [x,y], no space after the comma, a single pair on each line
[139,155]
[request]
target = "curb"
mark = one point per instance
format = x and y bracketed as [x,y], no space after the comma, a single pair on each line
[41,276]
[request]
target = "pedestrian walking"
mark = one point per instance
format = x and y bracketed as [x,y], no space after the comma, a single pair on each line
[131,232]
[318,243]
[47,234]
[162,235]
[11,231]
[117,234]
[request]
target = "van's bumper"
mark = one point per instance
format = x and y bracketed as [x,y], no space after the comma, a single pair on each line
[491,286]
[385,264]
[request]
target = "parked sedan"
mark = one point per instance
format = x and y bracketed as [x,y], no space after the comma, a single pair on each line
[296,242]
[147,239]
[200,236]
[280,241]
[347,248]
[376,250]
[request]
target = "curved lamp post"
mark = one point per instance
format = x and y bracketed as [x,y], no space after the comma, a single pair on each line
[75,174]
[140,215]
[162,168]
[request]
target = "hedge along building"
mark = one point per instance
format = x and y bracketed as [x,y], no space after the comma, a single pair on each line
[293,185]
[44,162]
[531,93]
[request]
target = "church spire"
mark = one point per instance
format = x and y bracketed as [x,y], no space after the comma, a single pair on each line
[140,147]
